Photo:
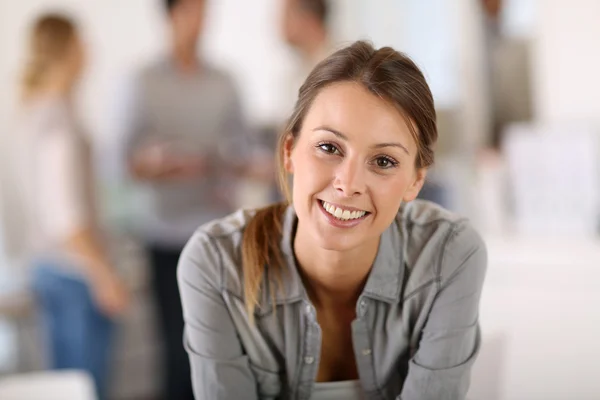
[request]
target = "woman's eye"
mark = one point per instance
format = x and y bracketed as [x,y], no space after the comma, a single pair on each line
[385,162]
[328,148]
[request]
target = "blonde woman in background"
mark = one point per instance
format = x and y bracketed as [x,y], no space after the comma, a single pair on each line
[78,291]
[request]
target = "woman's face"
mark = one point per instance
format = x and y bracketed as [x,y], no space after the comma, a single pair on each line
[353,164]
[75,61]
[187,18]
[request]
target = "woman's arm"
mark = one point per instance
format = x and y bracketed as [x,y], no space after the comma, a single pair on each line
[108,290]
[441,367]
[65,216]
[220,369]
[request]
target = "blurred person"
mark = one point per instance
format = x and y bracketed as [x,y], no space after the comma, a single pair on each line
[351,288]
[187,145]
[78,290]
[507,62]
[305,28]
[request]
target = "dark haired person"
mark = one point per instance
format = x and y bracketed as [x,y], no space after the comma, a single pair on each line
[305,28]
[351,289]
[185,144]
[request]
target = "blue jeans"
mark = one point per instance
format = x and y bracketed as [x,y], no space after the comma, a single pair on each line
[77,334]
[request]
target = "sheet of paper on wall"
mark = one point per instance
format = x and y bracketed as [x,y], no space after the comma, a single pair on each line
[554,179]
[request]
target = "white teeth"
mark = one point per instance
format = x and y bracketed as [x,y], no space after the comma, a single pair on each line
[342,214]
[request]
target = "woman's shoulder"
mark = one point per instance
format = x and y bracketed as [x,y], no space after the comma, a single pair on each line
[228,226]
[213,253]
[45,114]
[423,212]
[436,242]
[420,216]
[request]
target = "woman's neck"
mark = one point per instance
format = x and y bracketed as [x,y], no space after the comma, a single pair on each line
[185,59]
[333,279]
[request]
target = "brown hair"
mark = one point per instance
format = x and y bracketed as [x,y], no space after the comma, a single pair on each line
[386,73]
[49,43]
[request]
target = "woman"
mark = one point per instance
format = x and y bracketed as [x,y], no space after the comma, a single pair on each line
[351,290]
[78,291]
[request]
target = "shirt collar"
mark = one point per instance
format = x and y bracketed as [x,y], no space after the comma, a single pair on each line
[385,279]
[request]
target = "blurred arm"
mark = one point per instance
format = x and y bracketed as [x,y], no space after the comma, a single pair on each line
[143,160]
[239,149]
[66,217]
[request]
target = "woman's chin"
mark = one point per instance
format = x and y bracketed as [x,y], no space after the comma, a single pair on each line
[337,242]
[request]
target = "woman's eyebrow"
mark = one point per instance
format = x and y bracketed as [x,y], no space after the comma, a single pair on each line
[328,129]
[344,137]
[393,144]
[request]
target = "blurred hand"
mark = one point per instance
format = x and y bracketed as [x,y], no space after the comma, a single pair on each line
[186,167]
[156,162]
[110,294]
[261,169]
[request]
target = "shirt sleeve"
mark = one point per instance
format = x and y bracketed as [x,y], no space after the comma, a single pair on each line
[450,341]
[220,369]
[130,114]
[61,204]
[236,143]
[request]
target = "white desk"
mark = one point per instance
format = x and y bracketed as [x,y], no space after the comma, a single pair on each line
[540,315]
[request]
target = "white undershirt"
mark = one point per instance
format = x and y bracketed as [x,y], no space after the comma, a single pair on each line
[346,390]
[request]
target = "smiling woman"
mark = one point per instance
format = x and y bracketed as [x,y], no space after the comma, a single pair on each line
[352,288]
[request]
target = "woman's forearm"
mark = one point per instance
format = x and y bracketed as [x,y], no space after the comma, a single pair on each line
[85,244]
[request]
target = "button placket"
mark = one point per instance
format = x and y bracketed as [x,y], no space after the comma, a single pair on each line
[308,310]
[362,308]
[364,355]
[311,352]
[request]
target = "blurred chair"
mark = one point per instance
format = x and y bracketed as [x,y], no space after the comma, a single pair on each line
[18,309]
[55,385]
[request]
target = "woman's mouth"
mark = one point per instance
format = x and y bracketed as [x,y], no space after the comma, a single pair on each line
[343,214]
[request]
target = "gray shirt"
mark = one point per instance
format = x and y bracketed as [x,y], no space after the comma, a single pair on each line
[189,114]
[415,337]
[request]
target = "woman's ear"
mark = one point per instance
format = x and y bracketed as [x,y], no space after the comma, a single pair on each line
[413,190]
[288,147]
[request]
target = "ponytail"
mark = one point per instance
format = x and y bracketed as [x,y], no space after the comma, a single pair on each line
[33,77]
[261,248]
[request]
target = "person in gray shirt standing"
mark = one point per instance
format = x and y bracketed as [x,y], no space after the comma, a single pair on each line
[186,145]
[351,289]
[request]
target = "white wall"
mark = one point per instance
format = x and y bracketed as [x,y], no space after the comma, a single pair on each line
[567,60]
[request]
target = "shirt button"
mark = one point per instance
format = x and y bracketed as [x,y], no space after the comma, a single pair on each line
[363,304]
[309,360]
[309,310]
[366,352]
